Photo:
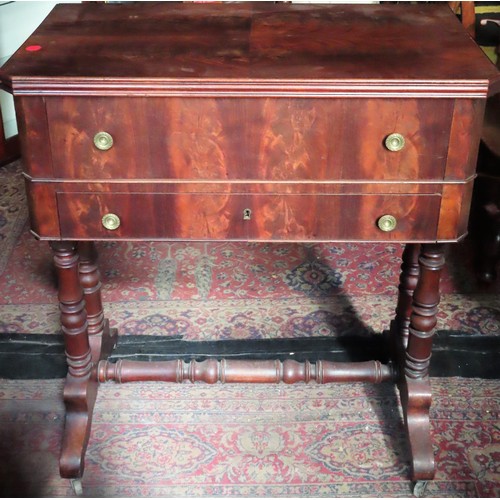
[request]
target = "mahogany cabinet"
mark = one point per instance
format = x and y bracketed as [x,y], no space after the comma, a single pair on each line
[249,122]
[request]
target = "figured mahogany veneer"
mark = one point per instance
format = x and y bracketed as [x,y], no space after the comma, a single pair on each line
[248,138]
[261,145]
[273,217]
[251,122]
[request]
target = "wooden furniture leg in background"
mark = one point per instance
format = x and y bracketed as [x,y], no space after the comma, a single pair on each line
[80,389]
[102,340]
[414,381]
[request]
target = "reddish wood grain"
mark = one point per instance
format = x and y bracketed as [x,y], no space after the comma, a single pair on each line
[408,281]
[42,203]
[280,218]
[90,280]
[454,213]
[416,45]
[264,139]
[464,138]
[240,371]
[34,136]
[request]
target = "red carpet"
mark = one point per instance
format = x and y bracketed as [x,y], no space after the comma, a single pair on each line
[195,440]
[243,441]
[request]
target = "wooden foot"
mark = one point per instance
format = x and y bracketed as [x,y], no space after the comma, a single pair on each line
[80,394]
[416,400]
[79,399]
[414,382]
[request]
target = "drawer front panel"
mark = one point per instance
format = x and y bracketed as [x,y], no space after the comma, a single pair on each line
[247,216]
[263,139]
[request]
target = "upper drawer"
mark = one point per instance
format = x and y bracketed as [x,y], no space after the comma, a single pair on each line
[269,139]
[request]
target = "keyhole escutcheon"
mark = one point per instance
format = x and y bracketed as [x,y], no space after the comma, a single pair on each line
[247,214]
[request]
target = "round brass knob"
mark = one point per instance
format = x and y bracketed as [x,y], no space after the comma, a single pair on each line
[111,221]
[395,142]
[387,223]
[103,141]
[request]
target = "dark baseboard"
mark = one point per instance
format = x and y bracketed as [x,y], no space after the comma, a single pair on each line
[455,354]
[9,150]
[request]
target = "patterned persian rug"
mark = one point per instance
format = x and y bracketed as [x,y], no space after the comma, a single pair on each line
[13,211]
[194,440]
[229,290]
[237,440]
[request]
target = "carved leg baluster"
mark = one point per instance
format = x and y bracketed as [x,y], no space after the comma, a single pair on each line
[102,340]
[91,284]
[414,382]
[81,385]
[407,283]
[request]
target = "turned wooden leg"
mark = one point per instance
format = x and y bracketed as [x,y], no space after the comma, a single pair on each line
[408,280]
[81,385]
[91,283]
[414,381]
[101,339]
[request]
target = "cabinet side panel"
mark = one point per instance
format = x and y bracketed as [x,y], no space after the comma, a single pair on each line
[34,134]
[464,138]
[42,203]
[454,213]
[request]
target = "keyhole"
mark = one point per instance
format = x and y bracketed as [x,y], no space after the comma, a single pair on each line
[247,214]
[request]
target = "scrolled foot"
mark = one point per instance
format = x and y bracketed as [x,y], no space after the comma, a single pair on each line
[79,398]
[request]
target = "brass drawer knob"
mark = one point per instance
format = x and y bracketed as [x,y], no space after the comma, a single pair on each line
[103,141]
[395,142]
[387,223]
[111,221]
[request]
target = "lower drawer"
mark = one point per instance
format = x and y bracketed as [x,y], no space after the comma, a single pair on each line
[304,217]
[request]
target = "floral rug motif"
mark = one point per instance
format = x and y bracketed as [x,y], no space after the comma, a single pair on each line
[188,440]
[256,319]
